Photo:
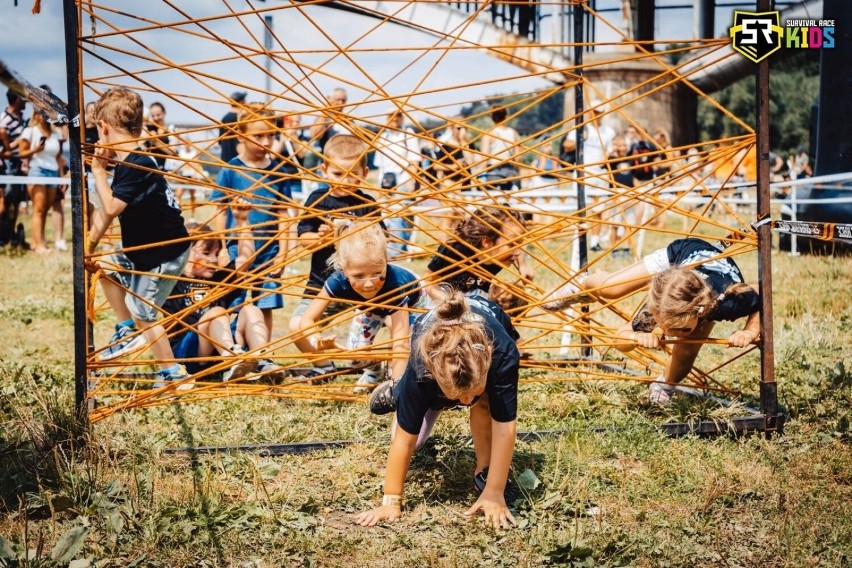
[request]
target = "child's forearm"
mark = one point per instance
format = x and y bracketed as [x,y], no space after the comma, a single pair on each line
[402,448]
[502,448]
[99,225]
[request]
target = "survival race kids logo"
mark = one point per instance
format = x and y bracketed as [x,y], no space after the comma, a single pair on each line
[757,35]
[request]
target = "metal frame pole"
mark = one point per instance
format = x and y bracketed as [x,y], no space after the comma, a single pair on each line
[72,69]
[768,387]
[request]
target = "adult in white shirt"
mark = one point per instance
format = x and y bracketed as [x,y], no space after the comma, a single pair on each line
[42,144]
[397,157]
[597,146]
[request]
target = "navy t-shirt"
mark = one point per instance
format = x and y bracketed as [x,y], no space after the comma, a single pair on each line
[152,214]
[418,392]
[198,297]
[401,289]
[456,264]
[719,273]
[357,205]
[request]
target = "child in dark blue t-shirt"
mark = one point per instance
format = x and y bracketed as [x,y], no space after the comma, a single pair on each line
[463,353]
[692,285]
[364,278]
[154,246]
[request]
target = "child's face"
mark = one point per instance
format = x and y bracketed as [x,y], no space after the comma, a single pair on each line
[257,138]
[203,258]
[343,175]
[619,147]
[684,327]
[505,249]
[366,275]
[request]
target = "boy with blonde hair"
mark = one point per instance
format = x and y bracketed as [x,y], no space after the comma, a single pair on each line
[154,246]
[256,179]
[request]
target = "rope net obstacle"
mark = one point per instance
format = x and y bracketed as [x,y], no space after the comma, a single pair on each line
[290,56]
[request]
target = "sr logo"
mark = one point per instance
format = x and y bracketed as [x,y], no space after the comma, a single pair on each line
[756,34]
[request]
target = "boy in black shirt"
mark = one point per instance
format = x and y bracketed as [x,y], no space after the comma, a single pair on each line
[154,246]
[345,168]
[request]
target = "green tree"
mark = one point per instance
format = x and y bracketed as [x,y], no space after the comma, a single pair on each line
[793,89]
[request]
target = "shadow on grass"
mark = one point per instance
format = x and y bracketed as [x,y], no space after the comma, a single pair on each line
[197,470]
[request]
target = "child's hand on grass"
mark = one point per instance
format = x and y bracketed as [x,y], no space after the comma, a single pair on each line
[497,514]
[372,517]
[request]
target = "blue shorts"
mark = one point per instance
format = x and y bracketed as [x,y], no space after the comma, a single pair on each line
[186,345]
[263,293]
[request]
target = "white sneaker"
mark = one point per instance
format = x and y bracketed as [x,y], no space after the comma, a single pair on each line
[367,379]
[660,393]
[61,245]
[241,368]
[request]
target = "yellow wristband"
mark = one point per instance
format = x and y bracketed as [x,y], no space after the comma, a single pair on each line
[394,500]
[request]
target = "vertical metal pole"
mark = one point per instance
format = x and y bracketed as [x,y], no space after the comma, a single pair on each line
[768,387]
[72,70]
[267,47]
[582,244]
[577,12]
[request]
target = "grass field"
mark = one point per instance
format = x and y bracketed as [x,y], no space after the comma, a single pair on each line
[609,491]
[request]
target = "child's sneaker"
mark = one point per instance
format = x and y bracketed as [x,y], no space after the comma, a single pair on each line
[125,340]
[381,401]
[241,368]
[566,295]
[61,245]
[368,379]
[320,375]
[173,375]
[266,370]
[510,493]
[660,393]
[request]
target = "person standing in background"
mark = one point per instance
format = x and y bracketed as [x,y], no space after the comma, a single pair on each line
[227,135]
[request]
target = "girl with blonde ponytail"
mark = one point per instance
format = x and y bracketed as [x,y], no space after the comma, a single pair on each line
[691,286]
[463,353]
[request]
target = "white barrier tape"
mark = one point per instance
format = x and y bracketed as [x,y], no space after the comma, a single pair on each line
[27,180]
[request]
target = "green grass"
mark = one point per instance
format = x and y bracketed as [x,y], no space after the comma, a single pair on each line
[621,496]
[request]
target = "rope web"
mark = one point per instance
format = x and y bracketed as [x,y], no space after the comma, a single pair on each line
[426,74]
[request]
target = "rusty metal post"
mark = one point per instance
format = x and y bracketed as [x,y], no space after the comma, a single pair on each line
[768,387]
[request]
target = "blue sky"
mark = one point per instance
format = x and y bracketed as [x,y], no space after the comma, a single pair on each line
[34,46]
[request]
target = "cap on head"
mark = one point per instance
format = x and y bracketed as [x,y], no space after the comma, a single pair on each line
[239,96]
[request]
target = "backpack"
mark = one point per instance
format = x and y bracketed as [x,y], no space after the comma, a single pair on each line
[641,159]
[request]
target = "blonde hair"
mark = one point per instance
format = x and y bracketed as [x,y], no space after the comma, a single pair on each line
[254,112]
[345,147]
[358,240]
[679,293]
[455,348]
[122,109]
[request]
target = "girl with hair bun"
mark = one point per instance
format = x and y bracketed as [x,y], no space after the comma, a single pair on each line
[463,354]
[691,287]
[362,275]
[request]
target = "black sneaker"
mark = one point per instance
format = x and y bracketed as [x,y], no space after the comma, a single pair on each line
[381,401]
[320,375]
[510,493]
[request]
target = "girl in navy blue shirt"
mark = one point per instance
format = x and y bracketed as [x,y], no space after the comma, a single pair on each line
[692,285]
[463,354]
[364,278]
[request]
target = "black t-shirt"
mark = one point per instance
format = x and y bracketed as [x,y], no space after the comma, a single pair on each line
[152,214]
[418,392]
[198,297]
[643,159]
[719,273]
[622,175]
[227,141]
[456,264]
[353,206]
